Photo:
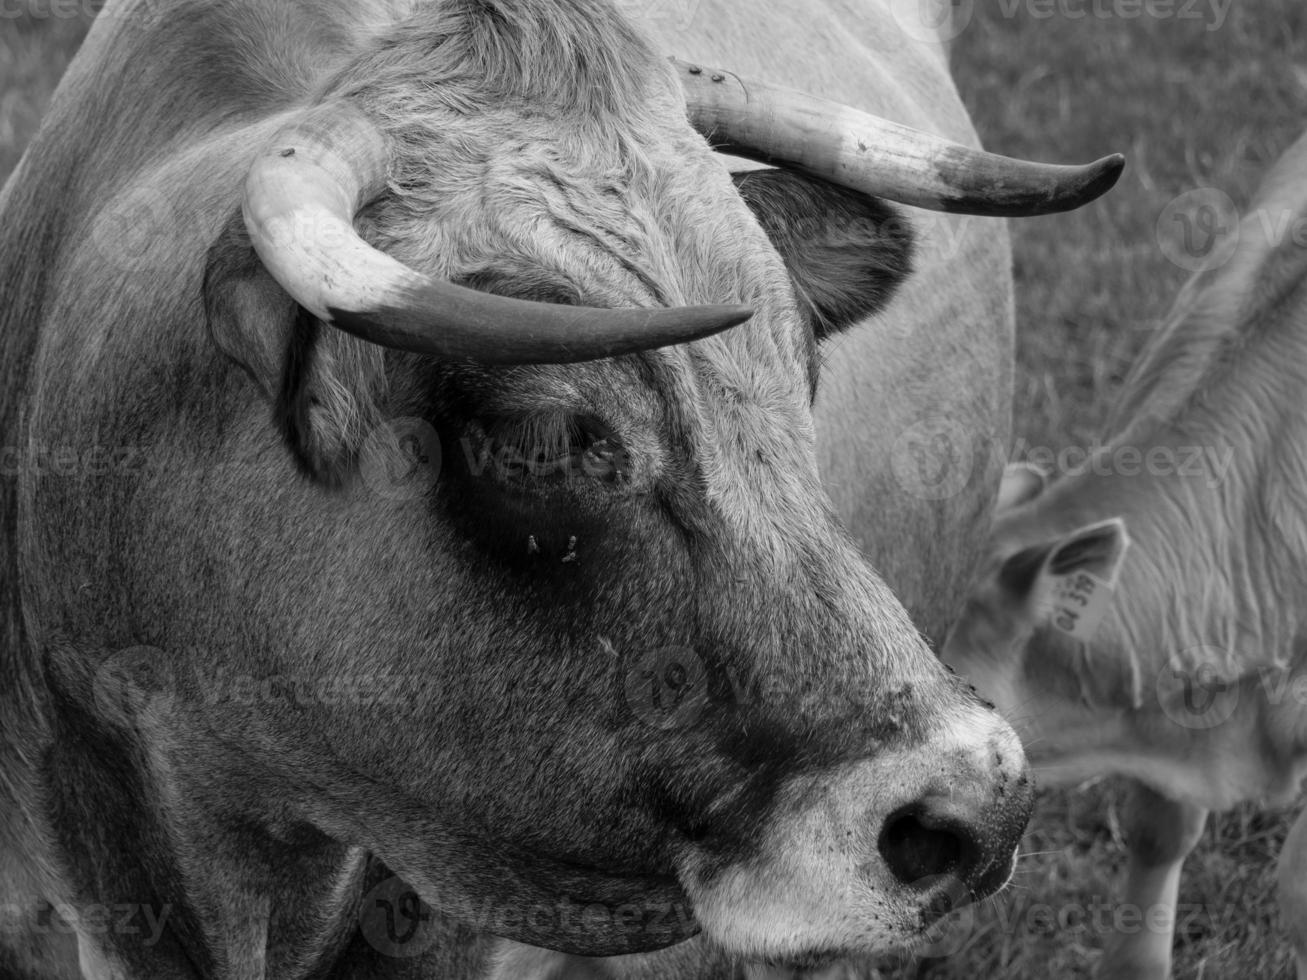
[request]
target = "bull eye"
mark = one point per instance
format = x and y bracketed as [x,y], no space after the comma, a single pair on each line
[606,460]
[540,452]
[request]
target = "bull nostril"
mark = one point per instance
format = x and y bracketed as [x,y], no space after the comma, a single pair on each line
[918,847]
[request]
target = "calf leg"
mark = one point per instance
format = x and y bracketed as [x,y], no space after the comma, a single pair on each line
[1292,888]
[1159,834]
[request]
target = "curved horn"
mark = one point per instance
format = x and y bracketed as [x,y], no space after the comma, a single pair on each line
[866,153]
[301,195]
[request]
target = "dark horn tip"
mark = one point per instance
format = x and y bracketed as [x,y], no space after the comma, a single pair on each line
[691,322]
[1104,174]
[684,324]
[655,327]
[731,316]
[1089,183]
[1019,189]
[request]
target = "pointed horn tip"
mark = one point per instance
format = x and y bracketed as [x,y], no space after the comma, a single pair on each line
[1092,181]
[733,316]
[1106,172]
[669,326]
[696,322]
[1047,189]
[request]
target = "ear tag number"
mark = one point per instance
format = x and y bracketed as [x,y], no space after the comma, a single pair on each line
[1078,603]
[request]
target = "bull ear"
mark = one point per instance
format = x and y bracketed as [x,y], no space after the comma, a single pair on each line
[846,252]
[325,387]
[1022,482]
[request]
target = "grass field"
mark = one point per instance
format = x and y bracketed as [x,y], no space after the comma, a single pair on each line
[1194,99]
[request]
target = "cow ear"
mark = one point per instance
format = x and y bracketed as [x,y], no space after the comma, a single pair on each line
[1098,549]
[846,252]
[1022,483]
[1095,548]
[325,388]
[1019,572]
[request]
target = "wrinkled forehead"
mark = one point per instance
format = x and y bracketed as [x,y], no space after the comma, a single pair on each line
[547,153]
[579,217]
[570,99]
[577,61]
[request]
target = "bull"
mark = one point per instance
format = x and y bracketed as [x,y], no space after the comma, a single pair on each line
[462,533]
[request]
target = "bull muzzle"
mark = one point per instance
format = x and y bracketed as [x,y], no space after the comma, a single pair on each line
[865,856]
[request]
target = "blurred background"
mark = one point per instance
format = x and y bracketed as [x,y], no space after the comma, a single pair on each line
[1196,99]
[1196,94]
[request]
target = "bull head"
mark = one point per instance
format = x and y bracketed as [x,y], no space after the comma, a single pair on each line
[697,793]
[484,207]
